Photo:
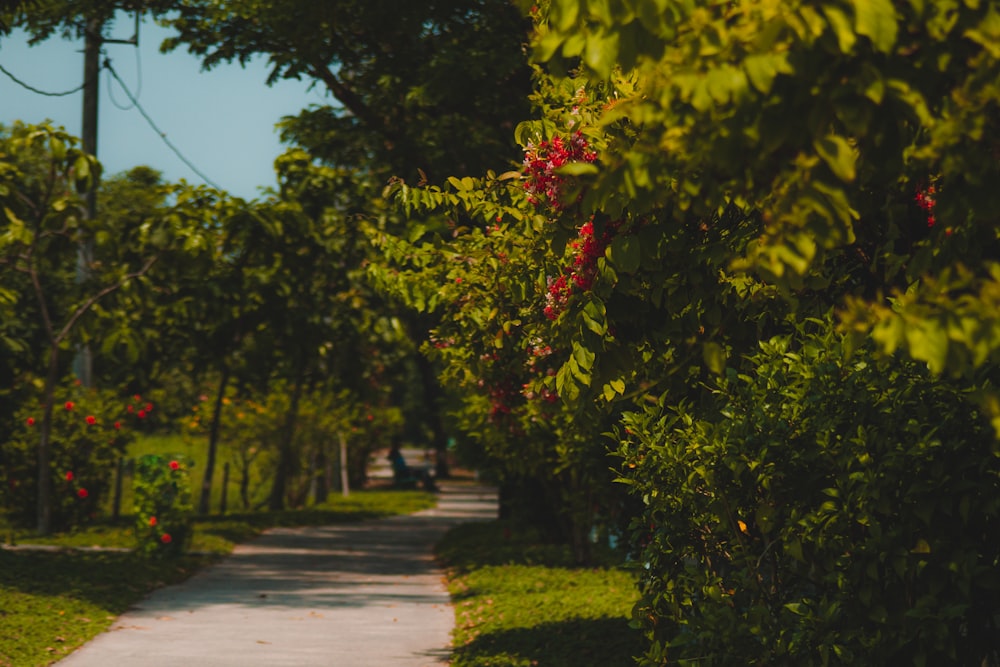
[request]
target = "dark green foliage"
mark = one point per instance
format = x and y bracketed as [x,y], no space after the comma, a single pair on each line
[827,508]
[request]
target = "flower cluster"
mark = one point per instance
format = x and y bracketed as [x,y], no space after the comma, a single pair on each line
[925,200]
[587,249]
[501,399]
[542,183]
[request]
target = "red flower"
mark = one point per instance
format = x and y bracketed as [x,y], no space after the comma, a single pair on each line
[174,465]
[82,493]
[149,407]
[69,405]
[91,420]
[130,408]
[118,425]
[141,414]
[137,398]
[31,421]
[69,476]
[152,521]
[166,539]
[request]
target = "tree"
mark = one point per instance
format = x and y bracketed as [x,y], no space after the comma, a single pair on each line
[422,90]
[431,86]
[42,219]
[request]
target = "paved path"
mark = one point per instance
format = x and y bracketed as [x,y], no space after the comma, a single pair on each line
[342,595]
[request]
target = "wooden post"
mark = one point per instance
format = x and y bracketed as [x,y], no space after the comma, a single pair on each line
[344,488]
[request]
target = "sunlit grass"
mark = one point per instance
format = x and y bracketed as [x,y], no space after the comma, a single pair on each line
[520,602]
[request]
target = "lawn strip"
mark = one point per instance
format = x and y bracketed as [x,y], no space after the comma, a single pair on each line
[520,602]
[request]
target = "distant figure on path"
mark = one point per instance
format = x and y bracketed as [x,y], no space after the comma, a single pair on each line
[404,474]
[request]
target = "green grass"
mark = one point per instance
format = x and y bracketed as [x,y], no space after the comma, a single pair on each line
[520,602]
[53,602]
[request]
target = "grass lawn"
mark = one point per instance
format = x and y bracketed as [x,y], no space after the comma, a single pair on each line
[519,602]
[53,602]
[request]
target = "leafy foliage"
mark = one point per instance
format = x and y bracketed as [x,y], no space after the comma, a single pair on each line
[826,507]
[749,167]
[92,430]
[163,511]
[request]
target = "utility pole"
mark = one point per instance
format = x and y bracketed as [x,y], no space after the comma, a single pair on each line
[93,37]
[84,365]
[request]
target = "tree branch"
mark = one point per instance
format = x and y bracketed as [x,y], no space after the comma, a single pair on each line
[353,103]
[89,303]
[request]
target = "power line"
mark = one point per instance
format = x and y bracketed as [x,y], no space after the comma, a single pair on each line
[38,91]
[152,124]
[138,89]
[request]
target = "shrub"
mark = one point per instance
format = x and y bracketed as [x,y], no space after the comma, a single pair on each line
[163,510]
[90,431]
[827,508]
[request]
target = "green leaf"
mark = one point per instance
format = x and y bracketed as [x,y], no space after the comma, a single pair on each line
[928,341]
[601,53]
[578,169]
[714,356]
[81,168]
[761,71]
[876,19]
[609,392]
[838,155]
[841,25]
[625,253]
[584,357]
[563,14]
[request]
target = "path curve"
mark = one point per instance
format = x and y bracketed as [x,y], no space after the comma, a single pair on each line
[350,595]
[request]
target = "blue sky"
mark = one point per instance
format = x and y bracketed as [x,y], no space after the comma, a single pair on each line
[222,120]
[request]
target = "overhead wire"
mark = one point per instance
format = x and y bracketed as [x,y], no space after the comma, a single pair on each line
[38,91]
[152,124]
[138,87]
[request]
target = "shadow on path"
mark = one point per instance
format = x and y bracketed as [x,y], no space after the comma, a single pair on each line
[349,594]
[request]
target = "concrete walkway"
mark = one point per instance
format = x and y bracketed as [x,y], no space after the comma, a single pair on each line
[342,595]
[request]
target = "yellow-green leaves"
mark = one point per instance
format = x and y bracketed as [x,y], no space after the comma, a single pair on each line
[762,68]
[838,155]
[876,19]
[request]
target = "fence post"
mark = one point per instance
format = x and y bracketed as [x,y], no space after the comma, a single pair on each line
[225,487]
[345,489]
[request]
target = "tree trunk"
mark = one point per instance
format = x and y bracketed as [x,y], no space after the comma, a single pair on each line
[286,451]
[45,445]
[432,410]
[205,499]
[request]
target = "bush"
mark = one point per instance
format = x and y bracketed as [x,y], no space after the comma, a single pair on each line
[163,510]
[90,431]
[826,508]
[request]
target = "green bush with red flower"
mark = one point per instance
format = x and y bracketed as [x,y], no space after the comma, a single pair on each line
[163,509]
[91,429]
